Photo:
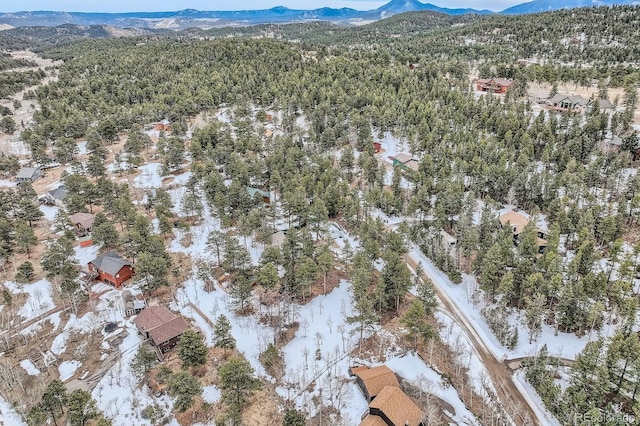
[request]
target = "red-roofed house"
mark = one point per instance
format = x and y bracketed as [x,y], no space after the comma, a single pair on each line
[494,85]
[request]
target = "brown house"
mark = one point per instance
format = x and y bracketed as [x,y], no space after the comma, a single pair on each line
[111,269]
[163,125]
[494,85]
[394,408]
[162,327]
[517,221]
[388,404]
[82,222]
[373,380]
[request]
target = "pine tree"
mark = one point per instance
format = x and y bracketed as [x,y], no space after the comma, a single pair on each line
[25,238]
[25,273]
[144,360]
[363,304]
[183,387]
[81,408]
[222,337]
[414,319]
[54,400]
[191,349]
[240,291]
[293,417]
[237,383]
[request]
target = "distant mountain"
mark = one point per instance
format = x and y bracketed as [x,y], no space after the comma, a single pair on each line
[401,6]
[190,18]
[537,6]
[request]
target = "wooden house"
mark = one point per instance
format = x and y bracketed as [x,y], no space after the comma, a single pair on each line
[111,269]
[28,174]
[163,125]
[372,380]
[388,404]
[405,161]
[392,407]
[253,192]
[160,326]
[494,85]
[516,221]
[82,222]
[55,197]
[561,102]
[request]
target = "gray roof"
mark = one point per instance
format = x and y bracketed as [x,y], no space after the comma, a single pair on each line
[60,193]
[27,173]
[575,100]
[111,263]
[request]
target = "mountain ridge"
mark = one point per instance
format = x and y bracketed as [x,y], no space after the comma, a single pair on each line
[186,18]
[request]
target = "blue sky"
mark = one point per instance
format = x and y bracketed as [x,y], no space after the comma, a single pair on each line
[170,5]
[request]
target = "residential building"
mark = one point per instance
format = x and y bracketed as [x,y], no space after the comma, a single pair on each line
[160,326]
[266,196]
[494,85]
[28,174]
[388,404]
[517,222]
[111,269]
[562,102]
[82,222]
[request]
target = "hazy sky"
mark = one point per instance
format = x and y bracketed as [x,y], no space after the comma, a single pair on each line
[171,5]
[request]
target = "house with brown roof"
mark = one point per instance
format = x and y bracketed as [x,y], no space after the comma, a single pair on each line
[405,161]
[494,85]
[394,408]
[160,326]
[82,222]
[516,221]
[373,380]
[388,404]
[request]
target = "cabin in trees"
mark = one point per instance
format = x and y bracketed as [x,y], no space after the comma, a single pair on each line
[161,327]
[28,174]
[494,85]
[82,222]
[388,404]
[55,197]
[253,192]
[163,125]
[405,161]
[517,222]
[413,66]
[111,269]
[561,102]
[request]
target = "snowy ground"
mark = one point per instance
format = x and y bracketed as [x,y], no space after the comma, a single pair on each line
[414,370]
[8,415]
[40,297]
[149,176]
[534,400]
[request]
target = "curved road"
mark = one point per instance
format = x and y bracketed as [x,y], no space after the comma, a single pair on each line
[501,374]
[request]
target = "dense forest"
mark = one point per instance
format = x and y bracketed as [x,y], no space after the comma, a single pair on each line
[337,90]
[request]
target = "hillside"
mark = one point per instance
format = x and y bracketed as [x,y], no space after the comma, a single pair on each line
[227,225]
